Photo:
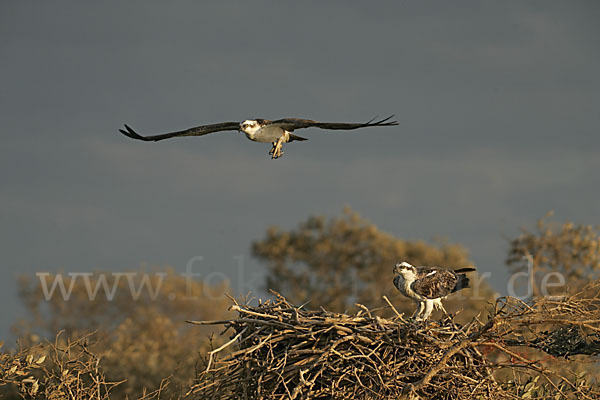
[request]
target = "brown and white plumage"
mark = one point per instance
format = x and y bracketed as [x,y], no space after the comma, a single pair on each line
[427,286]
[276,132]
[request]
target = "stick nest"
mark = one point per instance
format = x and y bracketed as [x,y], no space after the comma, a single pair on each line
[286,352]
[280,351]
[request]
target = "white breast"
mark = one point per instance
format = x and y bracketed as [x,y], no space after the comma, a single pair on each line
[267,134]
[404,286]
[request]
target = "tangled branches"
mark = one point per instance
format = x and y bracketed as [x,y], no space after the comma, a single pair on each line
[563,326]
[65,369]
[280,351]
[539,349]
[56,371]
[286,352]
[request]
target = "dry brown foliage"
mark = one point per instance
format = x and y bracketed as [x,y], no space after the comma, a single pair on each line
[337,262]
[140,341]
[62,370]
[280,351]
[65,369]
[141,348]
[573,250]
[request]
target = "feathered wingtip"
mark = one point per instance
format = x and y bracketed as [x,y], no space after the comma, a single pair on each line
[383,122]
[132,134]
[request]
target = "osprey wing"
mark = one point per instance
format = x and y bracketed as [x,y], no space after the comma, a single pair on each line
[290,124]
[195,131]
[397,283]
[435,284]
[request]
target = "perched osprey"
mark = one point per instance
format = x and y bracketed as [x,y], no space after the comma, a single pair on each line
[261,130]
[427,286]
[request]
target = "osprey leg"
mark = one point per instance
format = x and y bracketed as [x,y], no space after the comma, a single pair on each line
[428,309]
[438,305]
[276,150]
[419,310]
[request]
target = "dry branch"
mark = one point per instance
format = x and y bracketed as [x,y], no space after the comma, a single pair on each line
[286,352]
[280,351]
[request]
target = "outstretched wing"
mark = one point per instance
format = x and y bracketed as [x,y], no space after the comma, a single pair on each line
[290,124]
[196,131]
[435,284]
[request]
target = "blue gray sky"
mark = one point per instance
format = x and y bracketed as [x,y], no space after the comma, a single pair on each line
[497,103]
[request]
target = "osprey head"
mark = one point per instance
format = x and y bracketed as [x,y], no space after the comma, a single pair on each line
[405,269]
[249,126]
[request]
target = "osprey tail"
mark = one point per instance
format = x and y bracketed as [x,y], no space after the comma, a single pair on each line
[463,282]
[296,137]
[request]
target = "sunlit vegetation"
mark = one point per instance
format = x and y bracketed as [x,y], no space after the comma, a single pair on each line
[115,338]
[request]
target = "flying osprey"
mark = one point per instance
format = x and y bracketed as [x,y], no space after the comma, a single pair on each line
[427,286]
[261,130]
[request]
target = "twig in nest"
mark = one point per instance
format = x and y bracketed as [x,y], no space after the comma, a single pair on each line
[213,352]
